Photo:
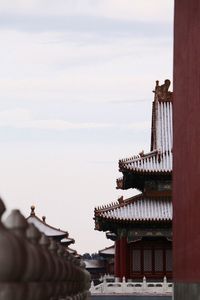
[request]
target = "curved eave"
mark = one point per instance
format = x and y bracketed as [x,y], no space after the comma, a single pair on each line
[47,229]
[105,224]
[167,195]
[138,221]
[145,172]
[67,241]
[137,179]
[123,184]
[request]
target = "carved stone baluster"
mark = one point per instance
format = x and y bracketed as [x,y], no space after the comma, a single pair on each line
[86,281]
[76,275]
[78,278]
[73,277]
[17,224]
[68,274]
[12,262]
[56,285]
[35,265]
[47,276]
[60,252]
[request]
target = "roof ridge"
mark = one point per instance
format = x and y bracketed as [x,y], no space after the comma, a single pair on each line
[149,163]
[142,210]
[140,156]
[46,224]
[144,156]
[105,207]
[106,248]
[117,204]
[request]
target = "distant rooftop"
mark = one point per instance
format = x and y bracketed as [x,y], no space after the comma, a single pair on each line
[47,229]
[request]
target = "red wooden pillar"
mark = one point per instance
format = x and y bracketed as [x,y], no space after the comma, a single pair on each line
[123,257]
[117,259]
[186,167]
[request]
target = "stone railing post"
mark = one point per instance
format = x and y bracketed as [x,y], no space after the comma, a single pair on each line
[34,267]
[12,263]
[48,272]
[36,264]
[144,284]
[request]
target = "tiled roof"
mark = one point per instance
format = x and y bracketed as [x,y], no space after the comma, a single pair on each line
[162,138]
[138,208]
[67,240]
[160,157]
[108,250]
[44,227]
[155,161]
[74,252]
[94,264]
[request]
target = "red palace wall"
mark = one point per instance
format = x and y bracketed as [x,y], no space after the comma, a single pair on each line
[186,168]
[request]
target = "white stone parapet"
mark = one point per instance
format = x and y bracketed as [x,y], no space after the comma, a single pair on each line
[132,287]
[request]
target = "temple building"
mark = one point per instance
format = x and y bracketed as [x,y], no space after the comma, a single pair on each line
[108,255]
[101,263]
[141,226]
[52,232]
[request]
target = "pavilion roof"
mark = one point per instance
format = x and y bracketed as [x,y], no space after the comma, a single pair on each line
[47,229]
[67,241]
[73,252]
[159,159]
[94,264]
[108,250]
[137,209]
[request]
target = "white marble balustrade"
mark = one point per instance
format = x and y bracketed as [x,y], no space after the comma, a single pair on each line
[131,287]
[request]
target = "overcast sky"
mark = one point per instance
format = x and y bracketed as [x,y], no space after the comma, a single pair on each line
[76,81]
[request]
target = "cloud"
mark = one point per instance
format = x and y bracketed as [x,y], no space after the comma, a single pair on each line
[105,18]
[94,25]
[57,67]
[137,126]
[23,118]
[62,125]
[143,10]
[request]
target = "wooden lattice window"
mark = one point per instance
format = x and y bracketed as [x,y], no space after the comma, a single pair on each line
[147,260]
[151,260]
[168,260]
[158,260]
[136,260]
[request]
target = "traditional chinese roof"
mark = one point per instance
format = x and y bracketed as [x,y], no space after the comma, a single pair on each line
[94,264]
[67,241]
[48,230]
[73,252]
[150,173]
[159,159]
[108,251]
[137,209]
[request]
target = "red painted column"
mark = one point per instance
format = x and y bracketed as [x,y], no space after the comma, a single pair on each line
[123,257]
[186,165]
[117,259]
